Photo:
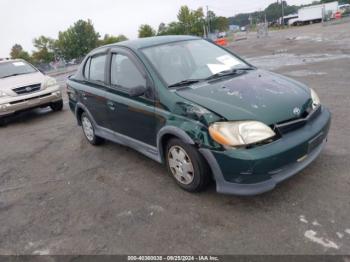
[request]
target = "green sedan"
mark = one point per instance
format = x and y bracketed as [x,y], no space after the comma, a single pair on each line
[201,110]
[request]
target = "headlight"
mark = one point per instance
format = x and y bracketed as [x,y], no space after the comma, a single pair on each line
[315,99]
[49,81]
[240,133]
[3,94]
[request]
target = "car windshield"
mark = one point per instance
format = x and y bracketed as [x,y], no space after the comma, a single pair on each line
[186,61]
[14,68]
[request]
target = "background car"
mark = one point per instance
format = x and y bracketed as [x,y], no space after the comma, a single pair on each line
[23,87]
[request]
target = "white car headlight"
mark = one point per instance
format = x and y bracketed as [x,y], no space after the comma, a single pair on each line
[49,81]
[240,133]
[315,99]
[3,94]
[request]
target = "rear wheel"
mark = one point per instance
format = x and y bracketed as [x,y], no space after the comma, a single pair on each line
[89,130]
[57,106]
[187,166]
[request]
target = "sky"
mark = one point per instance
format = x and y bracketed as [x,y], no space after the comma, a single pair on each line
[23,20]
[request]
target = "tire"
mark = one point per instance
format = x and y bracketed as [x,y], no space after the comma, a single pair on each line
[2,122]
[57,106]
[179,159]
[89,130]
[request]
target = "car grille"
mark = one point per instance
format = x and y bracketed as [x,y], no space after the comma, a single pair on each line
[27,89]
[289,126]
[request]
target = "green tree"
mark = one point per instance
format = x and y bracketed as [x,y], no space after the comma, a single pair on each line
[146,31]
[191,21]
[45,52]
[240,19]
[274,10]
[17,52]
[173,28]
[185,19]
[77,40]
[110,39]
[220,24]
[197,22]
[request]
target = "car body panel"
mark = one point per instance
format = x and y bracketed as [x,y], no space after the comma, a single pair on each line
[262,161]
[22,103]
[139,112]
[94,96]
[252,95]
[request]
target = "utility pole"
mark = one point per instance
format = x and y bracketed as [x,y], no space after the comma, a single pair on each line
[282,12]
[208,20]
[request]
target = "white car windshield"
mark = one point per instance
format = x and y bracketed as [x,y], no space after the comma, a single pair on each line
[14,68]
[194,59]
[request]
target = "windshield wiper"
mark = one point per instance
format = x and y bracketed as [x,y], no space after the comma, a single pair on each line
[185,82]
[228,73]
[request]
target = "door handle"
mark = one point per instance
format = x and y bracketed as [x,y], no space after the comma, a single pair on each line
[111,105]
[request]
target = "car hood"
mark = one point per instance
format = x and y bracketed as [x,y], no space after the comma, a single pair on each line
[254,95]
[9,83]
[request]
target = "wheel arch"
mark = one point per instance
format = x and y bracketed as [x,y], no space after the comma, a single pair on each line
[79,110]
[168,132]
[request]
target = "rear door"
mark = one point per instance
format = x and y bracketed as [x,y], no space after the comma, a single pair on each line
[130,116]
[93,95]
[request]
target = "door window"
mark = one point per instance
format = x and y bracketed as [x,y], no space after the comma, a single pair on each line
[97,68]
[124,72]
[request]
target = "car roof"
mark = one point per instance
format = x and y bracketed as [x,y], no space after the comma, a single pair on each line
[153,41]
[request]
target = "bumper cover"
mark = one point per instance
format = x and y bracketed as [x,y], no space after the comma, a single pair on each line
[37,99]
[265,161]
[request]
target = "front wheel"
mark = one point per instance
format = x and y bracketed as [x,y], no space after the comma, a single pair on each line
[187,166]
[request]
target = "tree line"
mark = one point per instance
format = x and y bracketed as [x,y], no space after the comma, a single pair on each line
[81,37]
[189,22]
[73,43]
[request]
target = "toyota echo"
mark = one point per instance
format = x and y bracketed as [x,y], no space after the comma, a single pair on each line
[201,110]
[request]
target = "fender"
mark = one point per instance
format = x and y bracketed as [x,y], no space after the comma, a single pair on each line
[84,108]
[175,131]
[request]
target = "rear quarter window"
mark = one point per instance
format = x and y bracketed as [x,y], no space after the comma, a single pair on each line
[97,68]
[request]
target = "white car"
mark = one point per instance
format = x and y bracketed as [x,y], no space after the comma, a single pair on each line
[24,87]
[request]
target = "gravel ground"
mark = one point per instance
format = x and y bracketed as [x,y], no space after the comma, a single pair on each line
[59,195]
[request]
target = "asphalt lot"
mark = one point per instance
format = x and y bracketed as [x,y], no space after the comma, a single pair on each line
[59,195]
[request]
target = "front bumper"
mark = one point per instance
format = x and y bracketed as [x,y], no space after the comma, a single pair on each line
[11,105]
[258,170]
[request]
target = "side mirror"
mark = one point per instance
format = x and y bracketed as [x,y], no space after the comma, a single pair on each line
[137,91]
